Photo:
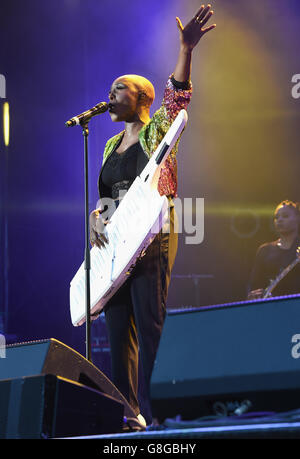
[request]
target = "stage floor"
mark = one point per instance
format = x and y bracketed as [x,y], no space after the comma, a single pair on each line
[279,425]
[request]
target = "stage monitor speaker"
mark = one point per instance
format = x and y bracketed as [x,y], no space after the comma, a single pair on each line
[53,357]
[49,406]
[218,359]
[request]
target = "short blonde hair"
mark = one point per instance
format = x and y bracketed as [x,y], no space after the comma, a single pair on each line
[144,87]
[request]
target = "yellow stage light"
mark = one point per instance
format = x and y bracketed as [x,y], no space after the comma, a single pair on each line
[6,123]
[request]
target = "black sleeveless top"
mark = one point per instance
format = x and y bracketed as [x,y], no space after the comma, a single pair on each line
[120,170]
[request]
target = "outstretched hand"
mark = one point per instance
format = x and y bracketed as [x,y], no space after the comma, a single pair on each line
[194,30]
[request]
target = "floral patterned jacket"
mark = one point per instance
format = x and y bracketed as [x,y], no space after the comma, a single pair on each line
[150,136]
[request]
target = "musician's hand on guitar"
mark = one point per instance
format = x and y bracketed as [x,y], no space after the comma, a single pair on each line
[97,227]
[194,30]
[255,294]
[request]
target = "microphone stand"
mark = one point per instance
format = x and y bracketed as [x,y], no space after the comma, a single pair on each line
[83,120]
[87,258]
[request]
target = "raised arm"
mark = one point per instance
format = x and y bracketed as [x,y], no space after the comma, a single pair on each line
[189,38]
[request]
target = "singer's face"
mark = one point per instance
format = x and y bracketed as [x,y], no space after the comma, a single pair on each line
[123,100]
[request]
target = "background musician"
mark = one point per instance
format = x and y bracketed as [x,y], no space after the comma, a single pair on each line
[136,313]
[273,257]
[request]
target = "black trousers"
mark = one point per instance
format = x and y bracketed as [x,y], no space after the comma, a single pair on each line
[135,317]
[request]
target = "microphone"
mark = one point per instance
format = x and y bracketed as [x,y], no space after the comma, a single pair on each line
[87,115]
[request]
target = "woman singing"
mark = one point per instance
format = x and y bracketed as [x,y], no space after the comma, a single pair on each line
[135,314]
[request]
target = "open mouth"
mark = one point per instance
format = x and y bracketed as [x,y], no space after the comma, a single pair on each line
[111,108]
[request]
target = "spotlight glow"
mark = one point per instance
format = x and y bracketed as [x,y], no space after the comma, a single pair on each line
[6,123]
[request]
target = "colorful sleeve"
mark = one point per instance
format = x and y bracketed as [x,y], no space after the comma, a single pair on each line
[176,98]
